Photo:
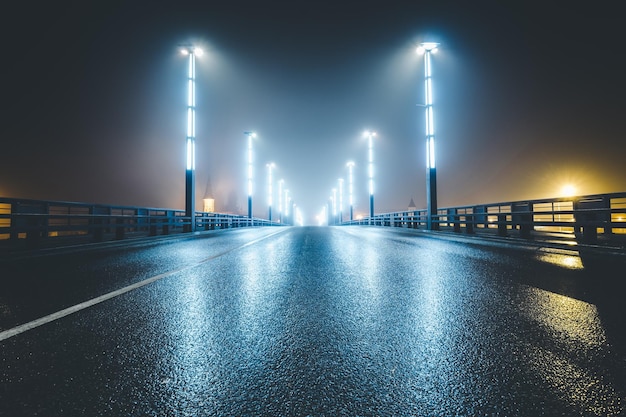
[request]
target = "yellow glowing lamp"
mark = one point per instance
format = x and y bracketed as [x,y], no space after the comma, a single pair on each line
[568,190]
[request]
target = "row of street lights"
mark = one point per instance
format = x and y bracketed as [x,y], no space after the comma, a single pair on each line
[192,52]
[337,199]
[426,48]
[286,204]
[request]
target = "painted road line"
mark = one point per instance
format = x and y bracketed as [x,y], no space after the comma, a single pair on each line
[89,303]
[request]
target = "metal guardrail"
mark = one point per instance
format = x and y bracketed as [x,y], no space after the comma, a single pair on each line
[592,219]
[35,224]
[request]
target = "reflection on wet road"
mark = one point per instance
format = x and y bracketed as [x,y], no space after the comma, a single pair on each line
[353,321]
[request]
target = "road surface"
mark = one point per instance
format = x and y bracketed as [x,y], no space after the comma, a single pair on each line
[311,321]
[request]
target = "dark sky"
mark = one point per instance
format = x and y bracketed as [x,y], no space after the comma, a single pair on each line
[528,97]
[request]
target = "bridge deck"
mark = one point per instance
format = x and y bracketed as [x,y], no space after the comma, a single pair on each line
[310,321]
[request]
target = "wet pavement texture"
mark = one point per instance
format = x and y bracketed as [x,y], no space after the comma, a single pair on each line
[314,321]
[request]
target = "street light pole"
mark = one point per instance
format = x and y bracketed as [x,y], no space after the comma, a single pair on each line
[329,211]
[190,181]
[291,206]
[287,199]
[250,135]
[269,189]
[370,135]
[340,200]
[334,198]
[351,200]
[280,200]
[431,173]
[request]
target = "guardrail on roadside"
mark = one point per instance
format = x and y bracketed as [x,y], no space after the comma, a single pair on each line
[592,219]
[38,224]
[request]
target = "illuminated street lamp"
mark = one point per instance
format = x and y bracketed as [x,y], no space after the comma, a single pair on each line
[190,192]
[340,200]
[370,135]
[334,199]
[287,202]
[250,136]
[431,174]
[291,209]
[280,200]
[351,200]
[329,211]
[270,166]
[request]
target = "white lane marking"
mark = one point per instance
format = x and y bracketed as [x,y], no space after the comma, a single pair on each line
[89,303]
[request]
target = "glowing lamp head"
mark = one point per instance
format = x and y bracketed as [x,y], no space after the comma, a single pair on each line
[427,46]
[367,133]
[191,50]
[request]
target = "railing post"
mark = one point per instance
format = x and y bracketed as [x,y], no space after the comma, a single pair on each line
[589,215]
[502,225]
[453,217]
[480,217]
[606,216]
[522,217]
[484,214]
[589,231]
[469,223]
[169,216]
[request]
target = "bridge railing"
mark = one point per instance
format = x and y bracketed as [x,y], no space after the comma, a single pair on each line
[38,224]
[592,219]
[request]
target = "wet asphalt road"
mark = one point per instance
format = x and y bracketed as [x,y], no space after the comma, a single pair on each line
[312,321]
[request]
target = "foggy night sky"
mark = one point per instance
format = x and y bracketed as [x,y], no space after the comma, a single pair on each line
[528,97]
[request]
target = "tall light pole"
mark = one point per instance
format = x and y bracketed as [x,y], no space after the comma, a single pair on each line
[280,200]
[291,206]
[287,202]
[370,135]
[351,200]
[340,200]
[334,198]
[250,136]
[427,48]
[270,166]
[190,180]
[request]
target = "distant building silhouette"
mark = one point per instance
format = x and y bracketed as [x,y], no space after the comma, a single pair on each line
[412,206]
